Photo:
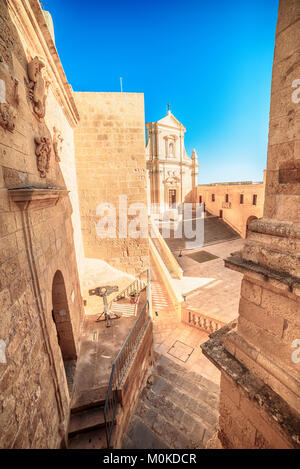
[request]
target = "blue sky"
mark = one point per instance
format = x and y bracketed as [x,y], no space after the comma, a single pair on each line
[212,60]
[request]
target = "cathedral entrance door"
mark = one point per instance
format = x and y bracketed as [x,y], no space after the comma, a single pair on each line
[172,197]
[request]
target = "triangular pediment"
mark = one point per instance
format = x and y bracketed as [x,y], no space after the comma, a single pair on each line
[170,121]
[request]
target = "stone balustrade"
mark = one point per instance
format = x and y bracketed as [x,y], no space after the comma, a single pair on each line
[202,321]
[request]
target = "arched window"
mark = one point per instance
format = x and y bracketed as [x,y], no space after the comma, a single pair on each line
[171,150]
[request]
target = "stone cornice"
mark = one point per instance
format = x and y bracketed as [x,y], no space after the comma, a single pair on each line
[278,412]
[286,229]
[31,23]
[235,262]
[174,162]
[36,197]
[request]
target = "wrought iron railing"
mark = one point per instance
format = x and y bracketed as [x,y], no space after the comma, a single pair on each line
[120,367]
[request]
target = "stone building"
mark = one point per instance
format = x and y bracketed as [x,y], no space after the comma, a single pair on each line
[107,150]
[259,355]
[237,203]
[49,252]
[171,173]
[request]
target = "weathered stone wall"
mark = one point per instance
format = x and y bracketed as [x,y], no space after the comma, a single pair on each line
[243,425]
[268,324]
[110,161]
[283,175]
[36,234]
[133,384]
[234,213]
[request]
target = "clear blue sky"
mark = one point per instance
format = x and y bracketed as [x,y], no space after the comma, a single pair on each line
[212,60]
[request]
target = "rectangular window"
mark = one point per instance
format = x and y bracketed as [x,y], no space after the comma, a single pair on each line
[254,199]
[212,197]
[200,199]
[241,198]
[226,198]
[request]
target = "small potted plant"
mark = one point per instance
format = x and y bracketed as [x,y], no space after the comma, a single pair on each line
[133,297]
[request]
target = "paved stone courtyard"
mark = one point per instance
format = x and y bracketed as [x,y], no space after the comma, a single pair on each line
[220,293]
[168,328]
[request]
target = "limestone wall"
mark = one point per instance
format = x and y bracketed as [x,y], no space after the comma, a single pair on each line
[283,175]
[110,161]
[234,213]
[36,232]
[133,384]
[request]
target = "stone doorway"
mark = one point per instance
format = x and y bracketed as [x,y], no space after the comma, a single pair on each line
[62,321]
[221,214]
[172,197]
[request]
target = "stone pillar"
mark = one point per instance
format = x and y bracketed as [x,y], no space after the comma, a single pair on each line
[259,354]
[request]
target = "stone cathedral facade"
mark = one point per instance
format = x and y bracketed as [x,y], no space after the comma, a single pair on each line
[171,173]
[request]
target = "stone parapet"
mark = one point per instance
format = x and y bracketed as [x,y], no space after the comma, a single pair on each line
[252,415]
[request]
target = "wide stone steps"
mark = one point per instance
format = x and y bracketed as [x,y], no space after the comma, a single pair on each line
[87,424]
[177,409]
[87,428]
[160,299]
[125,309]
[139,433]
[88,399]
[177,400]
[188,380]
[150,427]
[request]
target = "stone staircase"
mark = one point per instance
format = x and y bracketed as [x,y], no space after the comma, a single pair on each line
[87,424]
[178,409]
[162,307]
[124,309]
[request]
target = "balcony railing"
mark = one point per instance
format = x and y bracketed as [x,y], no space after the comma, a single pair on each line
[120,367]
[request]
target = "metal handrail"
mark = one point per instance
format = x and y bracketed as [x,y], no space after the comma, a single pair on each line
[120,367]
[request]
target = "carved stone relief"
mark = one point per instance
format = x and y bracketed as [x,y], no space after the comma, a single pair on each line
[57,143]
[7,116]
[43,153]
[9,97]
[36,86]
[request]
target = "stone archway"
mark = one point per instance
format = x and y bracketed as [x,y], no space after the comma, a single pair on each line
[249,220]
[62,321]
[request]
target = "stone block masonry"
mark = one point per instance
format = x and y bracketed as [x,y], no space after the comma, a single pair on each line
[110,161]
[39,323]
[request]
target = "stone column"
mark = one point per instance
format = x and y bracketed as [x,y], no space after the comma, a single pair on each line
[259,354]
